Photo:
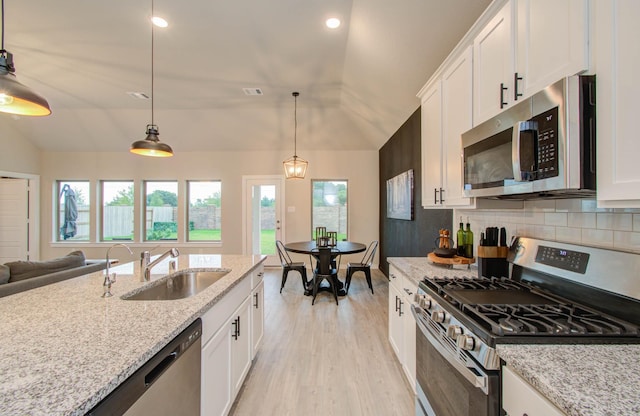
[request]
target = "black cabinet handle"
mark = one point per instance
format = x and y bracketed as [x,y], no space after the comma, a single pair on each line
[516,94]
[397,308]
[236,328]
[255,305]
[400,310]
[435,195]
[502,90]
[441,198]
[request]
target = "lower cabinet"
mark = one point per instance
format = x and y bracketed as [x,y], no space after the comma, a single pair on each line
[402,326]
[257,317]
[232,331]
[521,398]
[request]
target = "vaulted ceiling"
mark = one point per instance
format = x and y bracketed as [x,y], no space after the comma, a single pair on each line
[357,83]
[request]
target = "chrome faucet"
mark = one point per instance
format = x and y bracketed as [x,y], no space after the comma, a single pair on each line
[146,265]
[108,278]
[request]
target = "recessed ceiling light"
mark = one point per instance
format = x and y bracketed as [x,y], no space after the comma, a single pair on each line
[159,21]
[332,23]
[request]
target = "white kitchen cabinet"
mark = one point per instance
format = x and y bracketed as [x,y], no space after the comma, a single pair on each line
[402,327]
[216,393]
[228,332]
[257,317]
[526,46]
[446,110]
[493,65]
[409,333]
[240,328]
[616,59]
[396,323]
[551,42]
[521,398]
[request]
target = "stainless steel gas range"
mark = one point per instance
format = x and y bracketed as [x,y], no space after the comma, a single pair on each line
[556,293]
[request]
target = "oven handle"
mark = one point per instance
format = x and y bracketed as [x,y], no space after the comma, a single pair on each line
[481,381]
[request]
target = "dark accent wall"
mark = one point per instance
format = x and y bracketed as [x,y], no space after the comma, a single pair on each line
[401,238]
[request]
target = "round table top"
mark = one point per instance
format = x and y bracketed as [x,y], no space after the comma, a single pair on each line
[342,247]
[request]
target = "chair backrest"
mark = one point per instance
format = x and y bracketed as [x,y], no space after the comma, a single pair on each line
[285,260]
[323,256]
[370,253]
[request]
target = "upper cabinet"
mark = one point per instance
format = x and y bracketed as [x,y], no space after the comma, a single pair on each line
[616,59]
[526,46]
[446,113]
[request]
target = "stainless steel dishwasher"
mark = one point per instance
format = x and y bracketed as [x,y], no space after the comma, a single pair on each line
[167,384]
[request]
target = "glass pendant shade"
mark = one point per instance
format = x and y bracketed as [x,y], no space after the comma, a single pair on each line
[295,168]
[151,146]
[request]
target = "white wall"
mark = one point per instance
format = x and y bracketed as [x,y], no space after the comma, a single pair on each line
[360,168]
[576,221]
[18,153]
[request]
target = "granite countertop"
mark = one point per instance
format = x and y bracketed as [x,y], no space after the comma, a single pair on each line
[581,380]
[64,347]
[417,268]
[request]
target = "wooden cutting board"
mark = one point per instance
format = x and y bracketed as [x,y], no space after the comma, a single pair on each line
[450,260]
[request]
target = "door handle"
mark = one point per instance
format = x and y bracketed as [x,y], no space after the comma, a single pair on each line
[502,90]
[516,94]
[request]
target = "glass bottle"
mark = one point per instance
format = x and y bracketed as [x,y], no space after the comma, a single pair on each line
[468,241]
[460,240]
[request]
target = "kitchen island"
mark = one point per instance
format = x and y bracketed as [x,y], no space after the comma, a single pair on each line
[64,347]
[580,380]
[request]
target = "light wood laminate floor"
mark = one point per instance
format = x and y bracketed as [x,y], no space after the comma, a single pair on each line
[325,359]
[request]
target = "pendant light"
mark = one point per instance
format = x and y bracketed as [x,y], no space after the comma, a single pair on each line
[151,145]
[294,167]
[16,98]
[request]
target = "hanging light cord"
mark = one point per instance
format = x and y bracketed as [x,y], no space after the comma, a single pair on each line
[2,46]
[295,125]
[152,94]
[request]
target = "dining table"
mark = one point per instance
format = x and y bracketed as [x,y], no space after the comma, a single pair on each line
[341,247]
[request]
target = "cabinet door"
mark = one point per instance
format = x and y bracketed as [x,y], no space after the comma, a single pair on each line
[240,345]
[216,396]
[493,63]
[551,42]
[409,334]
[520,398]
[431,142]
[616,59]
[396,328]
[457,110]
[257,318]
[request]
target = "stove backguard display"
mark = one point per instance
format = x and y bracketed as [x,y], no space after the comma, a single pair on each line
[573,261]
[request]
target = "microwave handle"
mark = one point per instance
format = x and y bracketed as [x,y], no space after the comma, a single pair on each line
[516,150]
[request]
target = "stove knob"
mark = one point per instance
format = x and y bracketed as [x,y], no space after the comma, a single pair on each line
[466,342]
[438,316]
[423,300]
[454,331]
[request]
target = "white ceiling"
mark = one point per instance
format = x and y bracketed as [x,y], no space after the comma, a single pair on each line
[357,84]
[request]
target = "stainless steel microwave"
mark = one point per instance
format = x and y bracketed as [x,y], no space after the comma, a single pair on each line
[541,147]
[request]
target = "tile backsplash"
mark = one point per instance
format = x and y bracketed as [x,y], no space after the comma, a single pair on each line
[577,221]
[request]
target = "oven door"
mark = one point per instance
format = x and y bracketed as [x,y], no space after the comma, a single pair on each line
[448,383]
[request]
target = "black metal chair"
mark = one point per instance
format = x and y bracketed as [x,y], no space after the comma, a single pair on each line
[325,270]
[364,266]
[289,265]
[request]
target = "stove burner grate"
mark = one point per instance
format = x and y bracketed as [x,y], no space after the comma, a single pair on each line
[549,319]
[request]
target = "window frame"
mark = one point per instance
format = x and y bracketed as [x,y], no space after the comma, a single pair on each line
[143,216]
[346,205]
[188,182]
[59,184]
[101,225]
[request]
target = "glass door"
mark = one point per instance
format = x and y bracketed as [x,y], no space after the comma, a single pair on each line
[263,202]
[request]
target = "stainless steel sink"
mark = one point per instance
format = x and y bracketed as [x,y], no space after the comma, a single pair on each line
[180,285]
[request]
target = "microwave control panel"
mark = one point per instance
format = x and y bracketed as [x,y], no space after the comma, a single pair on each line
[573,261]
[547,162]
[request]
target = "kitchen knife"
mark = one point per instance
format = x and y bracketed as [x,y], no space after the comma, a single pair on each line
[503,237]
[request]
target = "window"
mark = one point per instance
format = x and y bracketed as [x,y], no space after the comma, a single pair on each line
[73,219]
[204,215]
[117,210]
[329,206]
[161,210]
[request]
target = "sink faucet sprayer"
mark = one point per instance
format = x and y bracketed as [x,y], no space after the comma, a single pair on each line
[146,265]
[108,278]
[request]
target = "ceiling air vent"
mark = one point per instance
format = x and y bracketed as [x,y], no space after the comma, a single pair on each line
[252,91]
[138,95]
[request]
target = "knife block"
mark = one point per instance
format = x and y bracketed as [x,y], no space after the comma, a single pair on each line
[492,261]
